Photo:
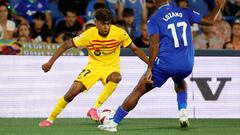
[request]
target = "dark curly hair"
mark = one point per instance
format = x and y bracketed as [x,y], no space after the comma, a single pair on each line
[103,15]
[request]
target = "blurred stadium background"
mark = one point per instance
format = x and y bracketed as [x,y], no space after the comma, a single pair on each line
[29,36]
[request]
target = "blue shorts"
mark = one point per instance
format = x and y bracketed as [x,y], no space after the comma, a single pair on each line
[160,75]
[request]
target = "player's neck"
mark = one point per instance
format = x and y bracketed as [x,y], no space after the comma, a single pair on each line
[103,35]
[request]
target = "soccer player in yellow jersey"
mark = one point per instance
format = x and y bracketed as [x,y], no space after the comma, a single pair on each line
[103,42]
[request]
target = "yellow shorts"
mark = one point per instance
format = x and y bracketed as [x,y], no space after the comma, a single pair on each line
[91,74]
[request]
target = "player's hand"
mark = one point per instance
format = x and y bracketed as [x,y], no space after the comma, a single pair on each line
[46,67]
[148,76]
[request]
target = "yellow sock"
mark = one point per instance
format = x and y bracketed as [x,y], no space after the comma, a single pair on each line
[61,104]
[107,91]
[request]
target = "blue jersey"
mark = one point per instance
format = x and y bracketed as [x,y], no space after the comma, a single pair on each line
[173,24]
[176,53]
[27,8]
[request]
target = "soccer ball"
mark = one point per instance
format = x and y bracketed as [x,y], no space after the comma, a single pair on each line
[105,116]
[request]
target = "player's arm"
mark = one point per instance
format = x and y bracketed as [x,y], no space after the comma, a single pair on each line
[138,52]
[211,18]
[66,45]
[153,51]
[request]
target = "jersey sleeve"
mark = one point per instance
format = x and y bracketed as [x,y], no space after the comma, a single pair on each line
[125,38]
[81,40]
[194,17]
[152,27]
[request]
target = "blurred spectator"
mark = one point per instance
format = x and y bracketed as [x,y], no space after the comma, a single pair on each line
[231,11]
[25,10]
[207,40]
[143,40]
[78,5]
[14,49]
[140,12]
[40,31]
[58,38]
[23,33]
[97,6]
[194,27]
[69,24]
[120,23]
[235,37]
[151,8]
[68,35]
[113,1]
[91,8]
[182,3]
[4,1]
[88,25]
[12,3]
[7,26]
[201,6]
[129,25]
[56,13]
[222,29]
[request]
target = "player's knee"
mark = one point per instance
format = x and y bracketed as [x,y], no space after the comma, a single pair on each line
[68,97]
[115,77]
[181,86]
[75,89]
[148,86]
[143,88]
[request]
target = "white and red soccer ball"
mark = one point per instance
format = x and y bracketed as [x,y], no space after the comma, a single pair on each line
[106,115]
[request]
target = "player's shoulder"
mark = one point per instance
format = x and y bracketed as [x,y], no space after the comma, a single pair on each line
[114,27]
[87,34]
[90,31]
[119,30]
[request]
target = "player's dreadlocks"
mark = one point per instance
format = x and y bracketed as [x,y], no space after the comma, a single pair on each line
[103,15]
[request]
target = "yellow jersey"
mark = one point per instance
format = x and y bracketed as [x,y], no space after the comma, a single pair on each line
[103,51]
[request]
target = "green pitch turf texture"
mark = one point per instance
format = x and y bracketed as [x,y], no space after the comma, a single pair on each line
[74,126]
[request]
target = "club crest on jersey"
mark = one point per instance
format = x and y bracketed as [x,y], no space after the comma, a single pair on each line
[97,52]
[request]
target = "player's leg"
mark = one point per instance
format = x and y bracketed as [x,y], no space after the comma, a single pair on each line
[131,101]
[129,104]
[75,89]
[181,90]
[111,84]
[159,77]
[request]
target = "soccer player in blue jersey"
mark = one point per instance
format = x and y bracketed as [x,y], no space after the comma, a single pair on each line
[171,56]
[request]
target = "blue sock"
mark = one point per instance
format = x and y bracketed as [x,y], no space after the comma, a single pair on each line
[182,100]
[119,115]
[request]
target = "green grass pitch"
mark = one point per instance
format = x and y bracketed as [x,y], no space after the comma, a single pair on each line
[75,126]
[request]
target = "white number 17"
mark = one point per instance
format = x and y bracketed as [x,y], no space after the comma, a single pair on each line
[174,33]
